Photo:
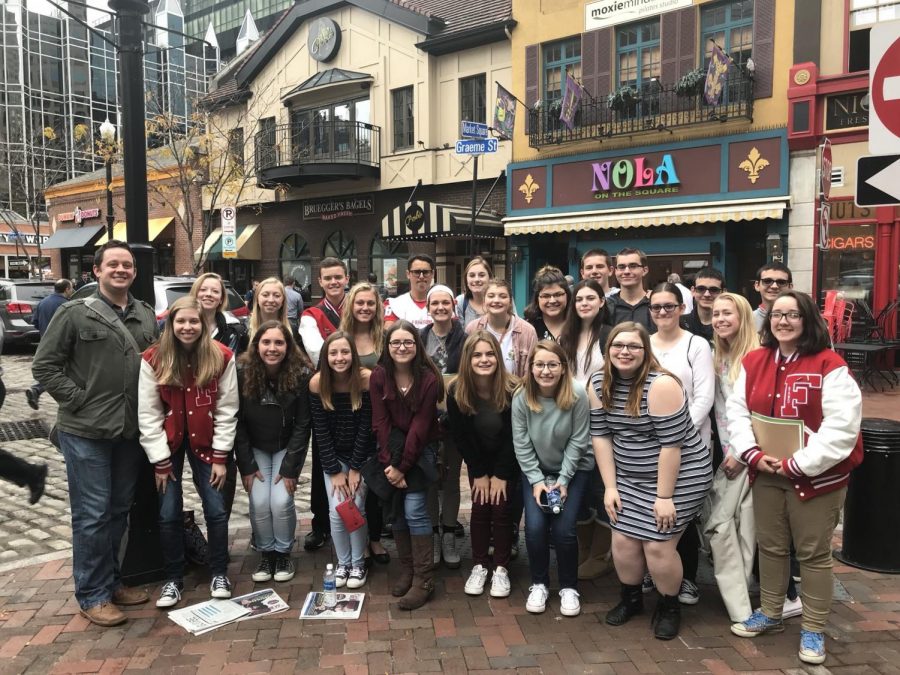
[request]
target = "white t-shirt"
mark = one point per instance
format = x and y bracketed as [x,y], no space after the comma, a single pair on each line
[405,308]
[506,347]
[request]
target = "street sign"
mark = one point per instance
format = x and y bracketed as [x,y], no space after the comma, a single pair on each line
[884,88]
[825,170]
[229,232]
[473,129]
[476,147]
[878,180]
[824,220]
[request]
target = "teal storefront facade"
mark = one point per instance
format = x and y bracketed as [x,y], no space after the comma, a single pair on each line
[720,201]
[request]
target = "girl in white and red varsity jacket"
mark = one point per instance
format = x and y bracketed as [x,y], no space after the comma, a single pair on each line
[798,498]
[188,400]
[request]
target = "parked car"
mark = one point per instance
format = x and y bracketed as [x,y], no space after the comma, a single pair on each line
[169,289]
[18,298]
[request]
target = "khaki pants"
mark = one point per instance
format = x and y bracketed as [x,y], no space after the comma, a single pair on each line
[780,518]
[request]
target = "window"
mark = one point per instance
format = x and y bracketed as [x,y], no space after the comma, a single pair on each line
[295,259]
[560,58]
[863,14]
[267,152]
[472,99]
[331,132]
[404,128]
[342,248]
[387,258]
[236,149]
[729,25]
[638,64]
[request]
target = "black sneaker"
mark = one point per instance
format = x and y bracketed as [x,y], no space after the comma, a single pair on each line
[315,540]
[33,398]
[284,567]
[170,595]
[265,569]
[220,587]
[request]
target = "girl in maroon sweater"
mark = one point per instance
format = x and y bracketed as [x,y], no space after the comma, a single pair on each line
[405,388]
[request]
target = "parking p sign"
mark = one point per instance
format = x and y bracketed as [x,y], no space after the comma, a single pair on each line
[229,232]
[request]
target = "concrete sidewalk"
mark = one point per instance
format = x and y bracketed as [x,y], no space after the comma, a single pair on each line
[41,631]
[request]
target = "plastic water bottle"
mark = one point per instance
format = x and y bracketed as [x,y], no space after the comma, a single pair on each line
[554,497]
[330,587]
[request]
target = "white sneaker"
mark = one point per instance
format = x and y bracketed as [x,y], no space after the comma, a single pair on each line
[358,576]
[500,583]
[537,599]
[170,595]
[341,574]
[792,608]
[569,604]
[436,543]
[448,550]
[688,594]
[475,583]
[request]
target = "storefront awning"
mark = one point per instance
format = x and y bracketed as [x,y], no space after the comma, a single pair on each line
[155,227]
[249,244]
[73,237]
[757,209]
[427,220]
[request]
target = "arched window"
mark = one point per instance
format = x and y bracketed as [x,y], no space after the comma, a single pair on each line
[342,248]
[388,262]
[295,260]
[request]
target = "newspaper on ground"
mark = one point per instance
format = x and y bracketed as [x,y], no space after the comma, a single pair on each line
[347,607]
[206,616]
[260,603]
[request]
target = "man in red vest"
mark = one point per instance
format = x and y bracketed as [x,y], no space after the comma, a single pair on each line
[316,324]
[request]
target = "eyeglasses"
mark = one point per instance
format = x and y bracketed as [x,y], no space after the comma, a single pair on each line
[422,273]
[712,290]
[553,366]
[792,315]
[559,295]
[769,281]
[623,347]
[406,344]
[631,267]
[668,308]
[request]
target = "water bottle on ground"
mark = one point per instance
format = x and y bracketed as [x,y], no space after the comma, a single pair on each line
[330,587]
[554,497]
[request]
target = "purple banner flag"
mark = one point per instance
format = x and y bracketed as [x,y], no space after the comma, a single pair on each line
[571,100]
[716,75]
[504,113]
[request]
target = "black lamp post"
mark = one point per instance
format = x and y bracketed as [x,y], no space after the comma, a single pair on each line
[108,136]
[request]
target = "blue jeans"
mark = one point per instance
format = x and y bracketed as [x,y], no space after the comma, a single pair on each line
[102,476]
[272,510]
[171,521]
[414,516]
[540,526]
[349,547]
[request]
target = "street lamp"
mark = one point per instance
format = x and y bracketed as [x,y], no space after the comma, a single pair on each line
[108,138]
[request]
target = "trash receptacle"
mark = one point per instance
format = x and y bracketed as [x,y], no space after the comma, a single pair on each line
[872,507]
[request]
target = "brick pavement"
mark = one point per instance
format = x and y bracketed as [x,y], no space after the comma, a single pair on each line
[41,631]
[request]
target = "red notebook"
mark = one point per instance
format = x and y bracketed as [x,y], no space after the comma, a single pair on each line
[349,513]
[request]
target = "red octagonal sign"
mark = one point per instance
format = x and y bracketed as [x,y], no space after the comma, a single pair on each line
[884,94]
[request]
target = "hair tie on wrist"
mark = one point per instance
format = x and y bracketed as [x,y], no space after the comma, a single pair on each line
[658,497]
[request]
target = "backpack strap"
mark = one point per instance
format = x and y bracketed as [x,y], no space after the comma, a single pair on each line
[112,318]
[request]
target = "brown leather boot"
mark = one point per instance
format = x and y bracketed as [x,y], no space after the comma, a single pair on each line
[106,615]
[599,558]
[404,552]
[126,596]
[423,579]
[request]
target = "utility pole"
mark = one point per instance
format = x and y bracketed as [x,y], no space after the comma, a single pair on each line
[474,207]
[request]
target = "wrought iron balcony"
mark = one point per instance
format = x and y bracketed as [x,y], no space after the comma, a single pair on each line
[654,109]
[299,154]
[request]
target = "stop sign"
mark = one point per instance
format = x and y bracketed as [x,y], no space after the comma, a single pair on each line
[884,89]
[825,170]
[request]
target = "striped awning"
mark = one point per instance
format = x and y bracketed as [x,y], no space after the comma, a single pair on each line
[428,220]
[249,245]
[757,209]
[155,227]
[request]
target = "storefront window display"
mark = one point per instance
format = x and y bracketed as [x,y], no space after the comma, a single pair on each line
[849,263]
[296,260]
[388,260]
[342,248]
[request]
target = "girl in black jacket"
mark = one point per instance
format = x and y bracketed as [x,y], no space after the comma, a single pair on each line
[478,405]
[272,438]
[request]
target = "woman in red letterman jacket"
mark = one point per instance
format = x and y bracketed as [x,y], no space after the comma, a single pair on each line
[795,375]
[188,400]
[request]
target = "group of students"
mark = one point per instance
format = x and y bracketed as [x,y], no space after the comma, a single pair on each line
[637,415]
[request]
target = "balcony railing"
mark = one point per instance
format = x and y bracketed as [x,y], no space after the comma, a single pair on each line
[298,153]
[656,109]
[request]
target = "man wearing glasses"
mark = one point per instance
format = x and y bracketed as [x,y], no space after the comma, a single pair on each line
[413,306]
[708,284]
[771,279]
[632,303]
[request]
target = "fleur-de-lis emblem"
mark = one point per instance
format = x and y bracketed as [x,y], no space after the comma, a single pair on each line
[528,188]
[753,164]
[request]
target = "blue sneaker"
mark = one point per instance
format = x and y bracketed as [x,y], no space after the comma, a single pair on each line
[812,647]
[757,624]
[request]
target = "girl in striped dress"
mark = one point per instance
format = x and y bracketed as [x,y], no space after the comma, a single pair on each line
[655,467]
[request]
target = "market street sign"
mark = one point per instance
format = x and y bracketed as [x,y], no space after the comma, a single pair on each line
[473,129]
[878,180]
[884,88]
[476,147]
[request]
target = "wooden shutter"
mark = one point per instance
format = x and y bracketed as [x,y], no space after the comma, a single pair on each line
[532,80]
[687,37]
[678,45]
[603,72]
[669,49]
[763,47]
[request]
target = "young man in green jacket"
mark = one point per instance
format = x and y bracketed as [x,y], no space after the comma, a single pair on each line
[88,360]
